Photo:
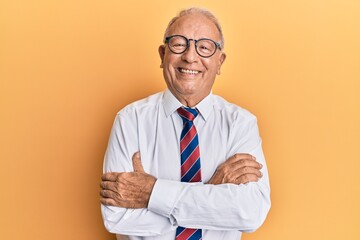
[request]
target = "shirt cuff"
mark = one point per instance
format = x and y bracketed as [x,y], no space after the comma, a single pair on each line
[164,196]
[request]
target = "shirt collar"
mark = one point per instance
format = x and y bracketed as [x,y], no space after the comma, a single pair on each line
[171,104]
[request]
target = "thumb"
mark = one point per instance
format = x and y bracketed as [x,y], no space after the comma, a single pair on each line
[137,163]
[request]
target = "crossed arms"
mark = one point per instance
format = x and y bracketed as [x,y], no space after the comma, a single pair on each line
[126,195]
[133,189]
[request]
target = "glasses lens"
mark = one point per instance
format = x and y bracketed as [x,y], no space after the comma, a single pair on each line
[178,44]
[205,47]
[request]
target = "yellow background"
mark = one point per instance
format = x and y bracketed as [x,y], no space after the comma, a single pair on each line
[67,67]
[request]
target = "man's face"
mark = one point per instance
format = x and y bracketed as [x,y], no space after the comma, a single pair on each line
[189,76]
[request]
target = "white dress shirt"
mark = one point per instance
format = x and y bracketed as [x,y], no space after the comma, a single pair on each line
[153,127]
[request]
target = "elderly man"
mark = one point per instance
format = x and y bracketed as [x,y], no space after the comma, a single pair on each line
[184,163]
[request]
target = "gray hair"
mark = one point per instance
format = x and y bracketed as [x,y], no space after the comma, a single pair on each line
[201,11]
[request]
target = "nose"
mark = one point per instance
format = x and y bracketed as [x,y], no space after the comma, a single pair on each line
[190,55]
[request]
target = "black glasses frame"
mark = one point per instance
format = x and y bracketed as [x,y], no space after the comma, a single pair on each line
[218,46]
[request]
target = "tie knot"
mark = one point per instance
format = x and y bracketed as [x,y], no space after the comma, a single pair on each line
[187,114]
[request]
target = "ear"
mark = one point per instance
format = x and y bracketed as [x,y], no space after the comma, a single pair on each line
[162,54]
[222,58]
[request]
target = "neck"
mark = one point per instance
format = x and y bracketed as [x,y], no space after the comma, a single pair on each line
[189,100]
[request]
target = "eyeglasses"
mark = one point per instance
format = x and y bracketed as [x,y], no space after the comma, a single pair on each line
[205,47]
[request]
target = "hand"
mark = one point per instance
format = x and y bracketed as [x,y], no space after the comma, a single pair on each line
[238,169]
[127,189]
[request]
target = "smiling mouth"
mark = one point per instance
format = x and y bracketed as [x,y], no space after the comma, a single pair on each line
[188,71]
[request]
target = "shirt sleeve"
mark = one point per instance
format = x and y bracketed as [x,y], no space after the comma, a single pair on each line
[241,207]
[123,143]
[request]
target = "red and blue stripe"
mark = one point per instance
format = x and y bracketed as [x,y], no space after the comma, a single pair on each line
[190,163]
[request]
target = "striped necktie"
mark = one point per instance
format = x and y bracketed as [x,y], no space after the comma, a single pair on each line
[190,163]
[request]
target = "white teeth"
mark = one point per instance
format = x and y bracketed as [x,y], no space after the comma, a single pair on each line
[188,71]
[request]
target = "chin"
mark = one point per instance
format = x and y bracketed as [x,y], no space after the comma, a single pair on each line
[187,91]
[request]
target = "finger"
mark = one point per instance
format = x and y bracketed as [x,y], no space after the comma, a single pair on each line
[110,176]
[107,201]
[238,165]
[245,163]
[246,178]
[137,163]
[107,194]
[240,157]
[124,204]
[106,185]
[244,171]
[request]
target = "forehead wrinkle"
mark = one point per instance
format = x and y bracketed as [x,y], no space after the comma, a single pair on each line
[195,27]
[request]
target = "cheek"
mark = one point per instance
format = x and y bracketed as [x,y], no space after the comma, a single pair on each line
[169,63]
[210,63]
[211,67]
[169,71]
